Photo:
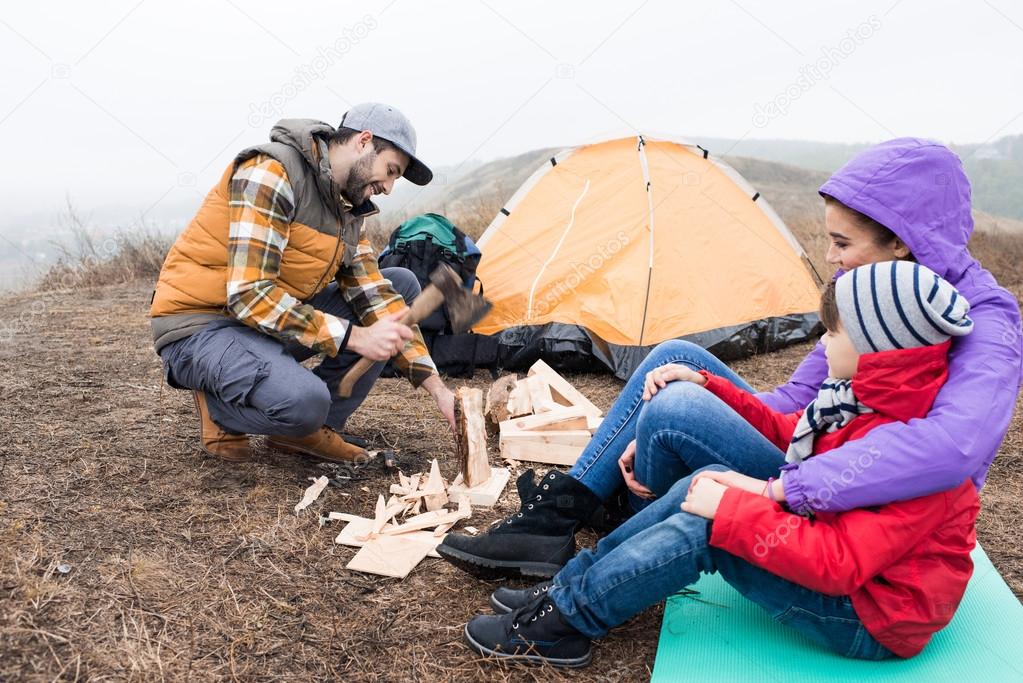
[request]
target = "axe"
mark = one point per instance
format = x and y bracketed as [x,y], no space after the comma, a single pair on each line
[465,309]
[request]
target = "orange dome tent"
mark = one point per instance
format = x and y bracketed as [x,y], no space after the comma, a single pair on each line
[610,248]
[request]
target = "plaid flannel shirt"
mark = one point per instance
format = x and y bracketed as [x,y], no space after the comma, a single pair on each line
[262,206]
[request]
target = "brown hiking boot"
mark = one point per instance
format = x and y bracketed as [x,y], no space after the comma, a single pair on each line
[324,443]
[213,440]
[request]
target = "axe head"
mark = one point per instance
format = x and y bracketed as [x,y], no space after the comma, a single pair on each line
[465,307]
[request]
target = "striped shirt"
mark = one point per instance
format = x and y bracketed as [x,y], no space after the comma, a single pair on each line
[262,206]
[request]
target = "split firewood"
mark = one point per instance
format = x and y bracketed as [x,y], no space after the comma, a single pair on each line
[442,529]
[406,486]
[356,533]
[433,518]
[496,408]
[519,400]
[311,494]
[434,492]
[471,437]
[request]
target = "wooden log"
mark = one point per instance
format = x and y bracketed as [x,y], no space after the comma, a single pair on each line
[519,401]
[471,437]
[561,387]
[540,394]
[496,407]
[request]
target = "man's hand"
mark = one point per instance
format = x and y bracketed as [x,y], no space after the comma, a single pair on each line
[704,497]
[444,397]
[733,480]
[381,340]
[626,464]
[658,378]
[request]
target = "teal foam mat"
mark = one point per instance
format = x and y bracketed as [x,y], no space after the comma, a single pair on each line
[720,636]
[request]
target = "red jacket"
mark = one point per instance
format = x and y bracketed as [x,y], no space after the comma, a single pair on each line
[905,565]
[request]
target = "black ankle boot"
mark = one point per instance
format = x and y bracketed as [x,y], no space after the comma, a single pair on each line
[504,600]
[535,633]
[536,541]
[611,514]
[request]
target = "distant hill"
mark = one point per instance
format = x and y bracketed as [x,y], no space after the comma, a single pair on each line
[995,168]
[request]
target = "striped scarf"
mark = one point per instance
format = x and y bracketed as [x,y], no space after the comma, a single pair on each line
[833,408]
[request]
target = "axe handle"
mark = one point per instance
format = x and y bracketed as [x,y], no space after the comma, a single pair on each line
[428,301]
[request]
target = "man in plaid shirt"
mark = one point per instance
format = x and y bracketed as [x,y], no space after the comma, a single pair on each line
[273,270]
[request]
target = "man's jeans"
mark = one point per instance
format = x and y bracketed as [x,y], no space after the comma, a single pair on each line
[254,383]
[661,550]
[681,429]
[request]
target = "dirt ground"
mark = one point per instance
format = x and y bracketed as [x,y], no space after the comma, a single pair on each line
[127,555]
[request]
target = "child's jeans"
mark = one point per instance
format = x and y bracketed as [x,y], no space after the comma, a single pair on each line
[699,426]
[661,550]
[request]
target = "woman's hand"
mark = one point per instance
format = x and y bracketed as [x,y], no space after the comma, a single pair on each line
[704,497]
[626,464]
[658,378]
[733,480]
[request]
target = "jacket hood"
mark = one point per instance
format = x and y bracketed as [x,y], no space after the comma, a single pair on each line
[902,384]
[309,137]
[918,190]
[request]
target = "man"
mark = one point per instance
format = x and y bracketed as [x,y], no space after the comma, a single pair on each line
[274,269]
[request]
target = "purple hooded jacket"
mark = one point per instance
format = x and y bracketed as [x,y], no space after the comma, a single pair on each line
[918,190]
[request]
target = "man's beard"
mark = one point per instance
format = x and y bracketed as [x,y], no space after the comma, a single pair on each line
[359,178]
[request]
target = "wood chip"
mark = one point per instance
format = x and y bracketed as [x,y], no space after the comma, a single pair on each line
[311,494]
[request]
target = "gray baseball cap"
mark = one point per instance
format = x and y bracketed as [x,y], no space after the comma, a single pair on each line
[386,122]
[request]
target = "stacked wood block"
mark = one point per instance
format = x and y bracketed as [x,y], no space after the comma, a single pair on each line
[542,418]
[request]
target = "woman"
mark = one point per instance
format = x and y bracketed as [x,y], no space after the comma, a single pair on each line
[903,199]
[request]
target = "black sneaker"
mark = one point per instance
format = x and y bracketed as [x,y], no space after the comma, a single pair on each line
[535,633]
[537,540]
[505,600]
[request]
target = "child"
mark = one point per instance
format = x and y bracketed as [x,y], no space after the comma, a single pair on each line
[867,583]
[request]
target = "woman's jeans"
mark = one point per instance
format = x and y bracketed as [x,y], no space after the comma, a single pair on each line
[681,429]
[661,550]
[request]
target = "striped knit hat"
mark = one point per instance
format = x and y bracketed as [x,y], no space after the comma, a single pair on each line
[899,305]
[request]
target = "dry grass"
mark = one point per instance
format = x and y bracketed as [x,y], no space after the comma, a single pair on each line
[129,255]
[183,568]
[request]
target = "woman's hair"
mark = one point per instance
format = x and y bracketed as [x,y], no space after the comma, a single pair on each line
[829,309]
[882,235]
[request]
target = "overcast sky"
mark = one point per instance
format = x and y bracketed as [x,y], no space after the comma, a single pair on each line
[140,105]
